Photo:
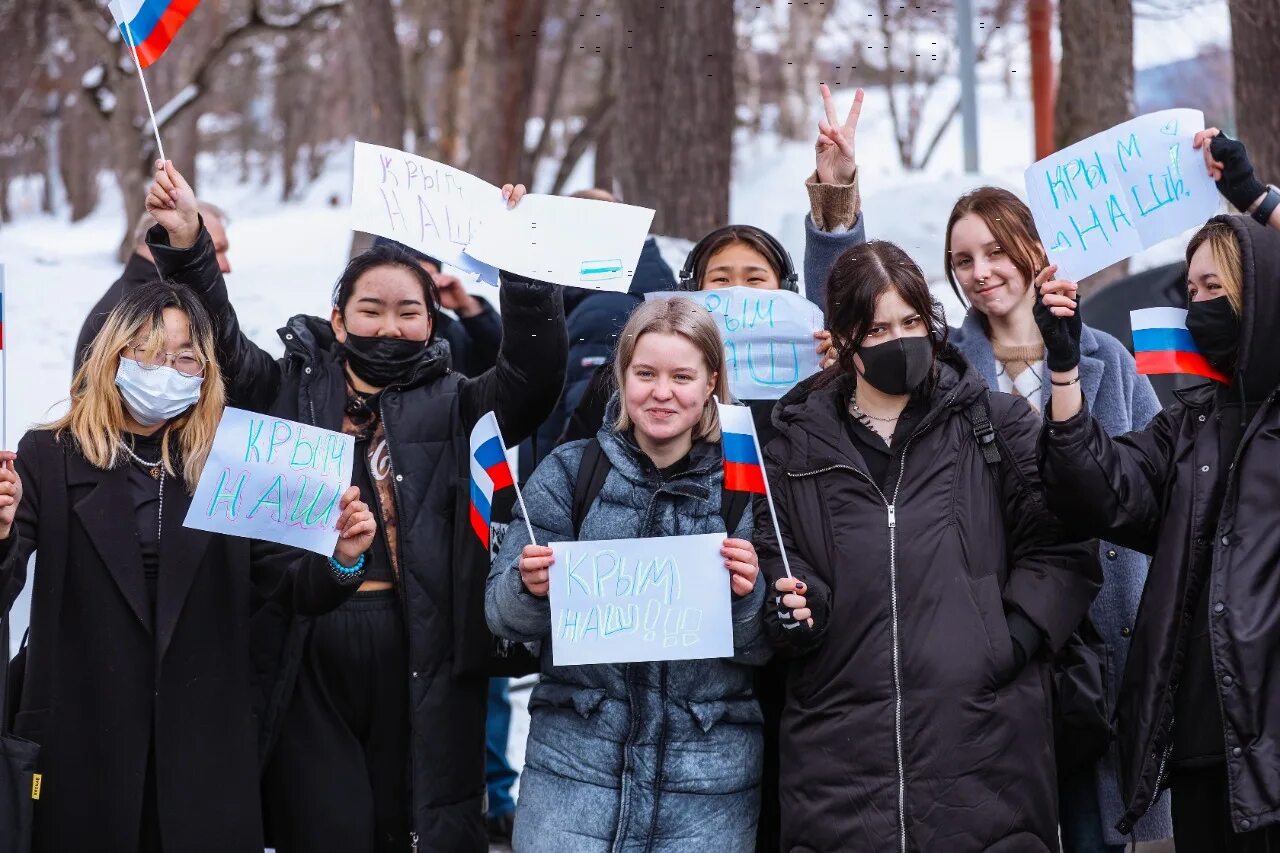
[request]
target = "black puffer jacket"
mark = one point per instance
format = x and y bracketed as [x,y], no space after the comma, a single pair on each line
[1153,491]
[428,422]
[907,725]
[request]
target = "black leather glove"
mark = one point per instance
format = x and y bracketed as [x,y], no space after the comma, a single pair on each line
[1061,336]
[1238,184]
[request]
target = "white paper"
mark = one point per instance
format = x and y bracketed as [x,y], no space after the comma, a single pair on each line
[578,242]
[273,479]
[627,600]
[1120,191]
[768,337]
[430,206]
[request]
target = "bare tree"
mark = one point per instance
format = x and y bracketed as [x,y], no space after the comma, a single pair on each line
[505,88]
[375,59]
[799,67]
[1255,43]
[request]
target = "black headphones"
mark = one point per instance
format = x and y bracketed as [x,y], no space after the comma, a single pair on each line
[788,280]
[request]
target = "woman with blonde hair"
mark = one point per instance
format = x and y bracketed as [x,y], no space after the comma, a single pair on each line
[138,681]
[660,755]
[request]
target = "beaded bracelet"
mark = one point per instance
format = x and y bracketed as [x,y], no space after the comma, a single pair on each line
[347,570]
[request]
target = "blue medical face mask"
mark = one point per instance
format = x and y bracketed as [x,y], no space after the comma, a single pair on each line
[154,395]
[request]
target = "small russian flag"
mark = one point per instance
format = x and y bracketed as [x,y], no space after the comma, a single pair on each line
[150,25]
[742,469]
[1162,344]
[490,473]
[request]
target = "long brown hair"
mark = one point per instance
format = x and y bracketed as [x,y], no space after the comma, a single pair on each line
[677,315]
[96,419]
[1225,247]
[1011,224]
[858,279]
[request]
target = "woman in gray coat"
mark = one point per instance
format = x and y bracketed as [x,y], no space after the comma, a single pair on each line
[640,756]
[993,254]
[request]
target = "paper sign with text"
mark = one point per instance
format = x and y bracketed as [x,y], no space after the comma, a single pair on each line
[434,208]
[628,600]
[273,479]
[1118,192]
[768,337]
[578,242]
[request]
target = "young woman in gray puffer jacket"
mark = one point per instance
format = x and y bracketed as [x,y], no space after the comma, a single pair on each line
[640,756]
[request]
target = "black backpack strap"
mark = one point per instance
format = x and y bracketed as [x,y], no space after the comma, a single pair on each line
[593,469]
[984,431]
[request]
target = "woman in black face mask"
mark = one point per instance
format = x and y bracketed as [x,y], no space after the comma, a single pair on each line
[1197,489]
[376,734]
[929,587]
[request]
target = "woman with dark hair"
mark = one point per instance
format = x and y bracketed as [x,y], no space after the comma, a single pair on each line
[928,587]
[376,734]
[992,255]
[139,684]
[1196,489]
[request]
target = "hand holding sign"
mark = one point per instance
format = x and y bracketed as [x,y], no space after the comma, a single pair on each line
[10,492]
[356,528]
[1057,317]
[1229,166]
[743,564]
[834,148]
[535,569]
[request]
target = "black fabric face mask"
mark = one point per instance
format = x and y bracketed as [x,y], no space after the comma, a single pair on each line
[1215,328]
[384,361]
[899,366]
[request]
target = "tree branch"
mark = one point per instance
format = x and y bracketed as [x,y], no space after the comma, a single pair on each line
[568,34]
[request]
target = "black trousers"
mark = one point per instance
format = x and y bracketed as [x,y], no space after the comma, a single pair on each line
[339,776]
[1202,816]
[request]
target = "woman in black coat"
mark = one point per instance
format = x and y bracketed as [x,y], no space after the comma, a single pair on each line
[138,678]
[931,588]
[1197,489]
[377,719]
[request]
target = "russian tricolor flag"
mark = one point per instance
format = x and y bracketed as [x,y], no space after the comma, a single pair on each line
[742,469]
[490,473]
[1162,344]
[150,25]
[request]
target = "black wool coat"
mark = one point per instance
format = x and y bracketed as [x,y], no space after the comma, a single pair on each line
[107,680]
[907,726]
[1153,491]
[428,421]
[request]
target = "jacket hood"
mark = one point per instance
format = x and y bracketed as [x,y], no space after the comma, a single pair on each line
[309,340]
[1257,364]
[810,417]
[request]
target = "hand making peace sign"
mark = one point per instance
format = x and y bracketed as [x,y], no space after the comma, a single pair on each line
[834,148]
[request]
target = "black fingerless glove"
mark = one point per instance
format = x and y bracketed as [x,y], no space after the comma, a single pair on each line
[1238,184]
[1061,337]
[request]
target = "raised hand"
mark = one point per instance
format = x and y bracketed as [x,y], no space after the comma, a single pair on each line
[1229,166]
[172,202]
[1058,319]
[454,296]
[535,569]
[356,528]
[834,148]
[826,350]
[10,492]
[512,193]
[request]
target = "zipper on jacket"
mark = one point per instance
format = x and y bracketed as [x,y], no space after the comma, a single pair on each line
[413,842]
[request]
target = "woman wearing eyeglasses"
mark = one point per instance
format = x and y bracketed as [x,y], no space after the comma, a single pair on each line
[138,676]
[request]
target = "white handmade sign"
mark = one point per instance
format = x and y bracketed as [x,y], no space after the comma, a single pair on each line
[1120,191]
[768,337]
[430,206]
[626,600]
[274,479]
[578,242]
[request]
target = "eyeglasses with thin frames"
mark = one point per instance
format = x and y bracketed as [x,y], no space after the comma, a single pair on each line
[185,362]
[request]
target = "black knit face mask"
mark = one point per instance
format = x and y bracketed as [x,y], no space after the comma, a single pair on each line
[898,366]
[1215,328]
[383,362]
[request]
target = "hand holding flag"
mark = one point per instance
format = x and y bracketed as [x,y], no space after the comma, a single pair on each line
[490,474]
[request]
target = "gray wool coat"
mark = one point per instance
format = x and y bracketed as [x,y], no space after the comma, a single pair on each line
[1122,401]
[640,756]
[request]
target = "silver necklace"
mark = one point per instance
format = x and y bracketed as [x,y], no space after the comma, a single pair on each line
[156,470]
[857,410]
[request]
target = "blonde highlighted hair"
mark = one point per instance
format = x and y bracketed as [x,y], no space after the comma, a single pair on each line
[681,316]
[96,419]
[1225,246]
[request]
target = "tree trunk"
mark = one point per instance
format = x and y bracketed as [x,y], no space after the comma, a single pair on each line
[462,42]
[674,137]
[79,158]
[375,57]
[1095,84]
[800,70]
[505,98]
[1255,46]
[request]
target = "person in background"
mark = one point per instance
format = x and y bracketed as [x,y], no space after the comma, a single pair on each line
[992,255]
[927,592]
[1197,490]
[473,330]
[661,755]
[140,269]
[139,682]
[376,734]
